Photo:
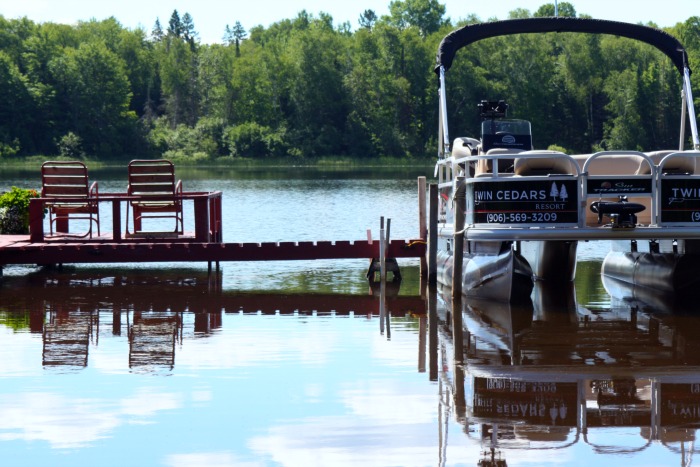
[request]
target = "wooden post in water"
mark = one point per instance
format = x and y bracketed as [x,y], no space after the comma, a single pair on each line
[432,240]
[432,333]
[382,276]
[387,238]
[422,224]
[458,252]
[382,252]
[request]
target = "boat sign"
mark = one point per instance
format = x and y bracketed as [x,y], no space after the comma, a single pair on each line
[680,200]
[551,201]
[679,404]
[538,402]
[605,186]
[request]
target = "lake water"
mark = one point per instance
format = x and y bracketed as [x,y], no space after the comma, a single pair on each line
[300,364]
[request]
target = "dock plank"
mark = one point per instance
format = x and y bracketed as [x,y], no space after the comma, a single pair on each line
[19,250]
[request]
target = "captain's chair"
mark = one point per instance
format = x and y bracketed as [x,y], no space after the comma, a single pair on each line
[506,134]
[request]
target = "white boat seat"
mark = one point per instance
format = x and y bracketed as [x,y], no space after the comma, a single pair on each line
[505,161]
[531,166]
[612,164]
[675,165]
[464,147]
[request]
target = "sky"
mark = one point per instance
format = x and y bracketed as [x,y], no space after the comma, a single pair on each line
[211,16]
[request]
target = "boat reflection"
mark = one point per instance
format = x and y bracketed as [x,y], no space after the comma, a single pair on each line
[548,373]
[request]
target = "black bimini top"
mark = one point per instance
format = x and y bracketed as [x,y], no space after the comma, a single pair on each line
[476,32]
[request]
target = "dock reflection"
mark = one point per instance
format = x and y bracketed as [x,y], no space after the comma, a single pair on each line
[157,310]
[548,373]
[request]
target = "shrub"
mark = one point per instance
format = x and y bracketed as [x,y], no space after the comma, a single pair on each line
[14,210]
[71,146]
[256,141]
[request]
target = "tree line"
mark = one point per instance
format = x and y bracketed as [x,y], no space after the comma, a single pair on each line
[305,87]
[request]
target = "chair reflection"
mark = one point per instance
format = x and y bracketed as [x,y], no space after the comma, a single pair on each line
[66,338]
[141,305]
[152,340]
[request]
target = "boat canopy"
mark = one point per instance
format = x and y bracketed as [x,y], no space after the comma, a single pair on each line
[471,33]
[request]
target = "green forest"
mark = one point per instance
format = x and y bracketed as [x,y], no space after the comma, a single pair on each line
[306,88]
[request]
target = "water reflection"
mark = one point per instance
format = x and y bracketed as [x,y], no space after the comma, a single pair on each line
[93,362]
[90,360]
[157,310]
[549,374]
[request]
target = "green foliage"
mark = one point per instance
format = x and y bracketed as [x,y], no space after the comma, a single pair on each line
[252,140]
[566,9]
[14,210]
[9,149]
[426,15]
[304,86]
[206,140]
[18,198]
[15,321]
[554,147]
[71,146]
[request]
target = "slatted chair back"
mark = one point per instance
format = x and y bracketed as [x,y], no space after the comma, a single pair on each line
[155,192]
[65,184]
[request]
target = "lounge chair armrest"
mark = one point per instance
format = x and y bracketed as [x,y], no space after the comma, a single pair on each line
[178,187]
[94,192]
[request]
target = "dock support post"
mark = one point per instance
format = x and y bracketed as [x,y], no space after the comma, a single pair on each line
[432,240]
[458,253]
[382,253]
[422,225]
[36,221]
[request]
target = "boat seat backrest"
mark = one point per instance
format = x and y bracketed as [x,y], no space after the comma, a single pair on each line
[612,164]
[464,147]
[675,165]
[505,160]
[531,166]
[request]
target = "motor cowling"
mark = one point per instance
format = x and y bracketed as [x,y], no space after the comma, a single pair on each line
[622,213]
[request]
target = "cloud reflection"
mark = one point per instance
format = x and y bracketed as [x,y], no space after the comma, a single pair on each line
[69,423]
[209,459]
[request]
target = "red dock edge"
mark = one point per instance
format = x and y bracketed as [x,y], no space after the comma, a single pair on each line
[205,245]
[18,250]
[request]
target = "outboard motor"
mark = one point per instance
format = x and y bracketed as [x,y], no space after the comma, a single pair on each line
[621,213]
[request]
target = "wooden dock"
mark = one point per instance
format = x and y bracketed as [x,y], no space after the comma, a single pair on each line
[118,245]
[19,249]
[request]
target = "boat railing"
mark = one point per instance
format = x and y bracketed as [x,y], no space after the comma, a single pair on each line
[629,175]
[666,183]
[678,189]
[542,191]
